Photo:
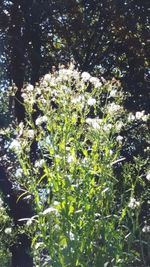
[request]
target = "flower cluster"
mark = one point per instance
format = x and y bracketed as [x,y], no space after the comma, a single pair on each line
[139,116]
[133,204]
[148,176]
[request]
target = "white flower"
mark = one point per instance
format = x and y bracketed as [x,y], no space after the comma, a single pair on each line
[64,74]
[147,149]
[19,173]
[53,82]
[37,245]
[66,89]
[96,82]
[107,127]
[95,123]
[131,117]
[48,140]
[38,91]
[30,87]
[44,83]
[21,128]
[146,229]
[119,138]
[113,93]
[38,121]
[119,125]
[103,79]
[1,203]
[49,210]
[148,176]
[145,118]
[56,203]
[42,100]
[78,99]
[113,108]
[85,76]
[71,235]
[39,163]
[8,231]
[110,152]
[133,204]
[41,120]
[24,96]
[47,77]
[15,145]
[91,101]
[139,114]
[30,133]
[70,159]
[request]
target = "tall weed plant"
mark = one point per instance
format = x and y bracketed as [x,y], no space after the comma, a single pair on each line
[67,150]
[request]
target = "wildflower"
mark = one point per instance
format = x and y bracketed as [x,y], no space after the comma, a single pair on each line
[71,236]
[8,231]
[95,123]
[41,120]
[48,140]
[37,245]
[133,204]
[113,108]
[70,159]
[119,125]
[107,127]
[148,176]
[47,77]
[39,163]
[24,96]
[145,118]
[1,203]
[64,74]
[21,126]
[85,76]
[77,99]
[110,152]
[131,117]
[139,114]
[66,89]
[95,81]
[44,83]
[19,173]
[56,203]
[113,93]
[147,149]
[29,87]
[42,100]
[119,138]
[30,134]
[146,229]
[103,79]
[91,101]
[15,145]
